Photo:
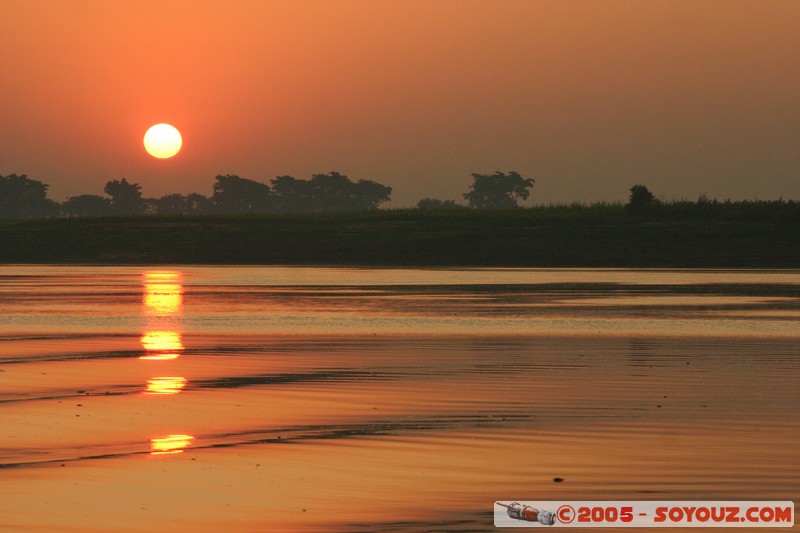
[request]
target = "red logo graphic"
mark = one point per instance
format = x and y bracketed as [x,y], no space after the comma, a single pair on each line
[565,514]
[527,513]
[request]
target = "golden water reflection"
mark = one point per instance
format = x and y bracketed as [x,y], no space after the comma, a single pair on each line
[170,444]
[163,307]
[165,385]
[162,345]
[163,292]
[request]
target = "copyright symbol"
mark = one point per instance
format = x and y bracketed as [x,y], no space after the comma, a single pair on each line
[565,514]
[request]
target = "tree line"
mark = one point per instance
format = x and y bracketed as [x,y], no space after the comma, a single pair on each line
[22,197]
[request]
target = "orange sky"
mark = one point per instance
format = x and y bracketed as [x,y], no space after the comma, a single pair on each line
[586,97]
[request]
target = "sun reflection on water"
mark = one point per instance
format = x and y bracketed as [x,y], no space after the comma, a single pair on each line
[170,444]
[163,292]
[163,307]
[165,385]
[162,345]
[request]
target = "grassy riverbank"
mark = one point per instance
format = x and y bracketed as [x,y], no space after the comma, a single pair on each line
[593,236]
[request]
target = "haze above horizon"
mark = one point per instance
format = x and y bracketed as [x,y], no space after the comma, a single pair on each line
[587,98]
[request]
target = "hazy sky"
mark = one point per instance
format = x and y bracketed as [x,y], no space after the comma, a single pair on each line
[586,97]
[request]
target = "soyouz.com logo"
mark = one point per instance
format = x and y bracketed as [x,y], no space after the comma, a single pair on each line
[644,514]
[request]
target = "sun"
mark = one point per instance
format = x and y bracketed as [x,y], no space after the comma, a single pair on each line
[162,141]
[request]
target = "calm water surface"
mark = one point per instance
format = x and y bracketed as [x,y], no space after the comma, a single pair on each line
[333,399]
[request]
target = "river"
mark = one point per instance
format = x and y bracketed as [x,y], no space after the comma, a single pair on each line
[341,399]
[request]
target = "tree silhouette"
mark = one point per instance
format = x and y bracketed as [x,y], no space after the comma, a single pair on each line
[198,204]
[233,194]
[178,204]
[171,204]
[22,197]
[87,205]
[331,192]
[432,204]
[291,195]
[126,198]
[498,190]
[327,192]
[367,195]
[641,201]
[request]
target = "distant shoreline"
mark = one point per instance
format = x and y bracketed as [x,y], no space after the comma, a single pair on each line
[517,238]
